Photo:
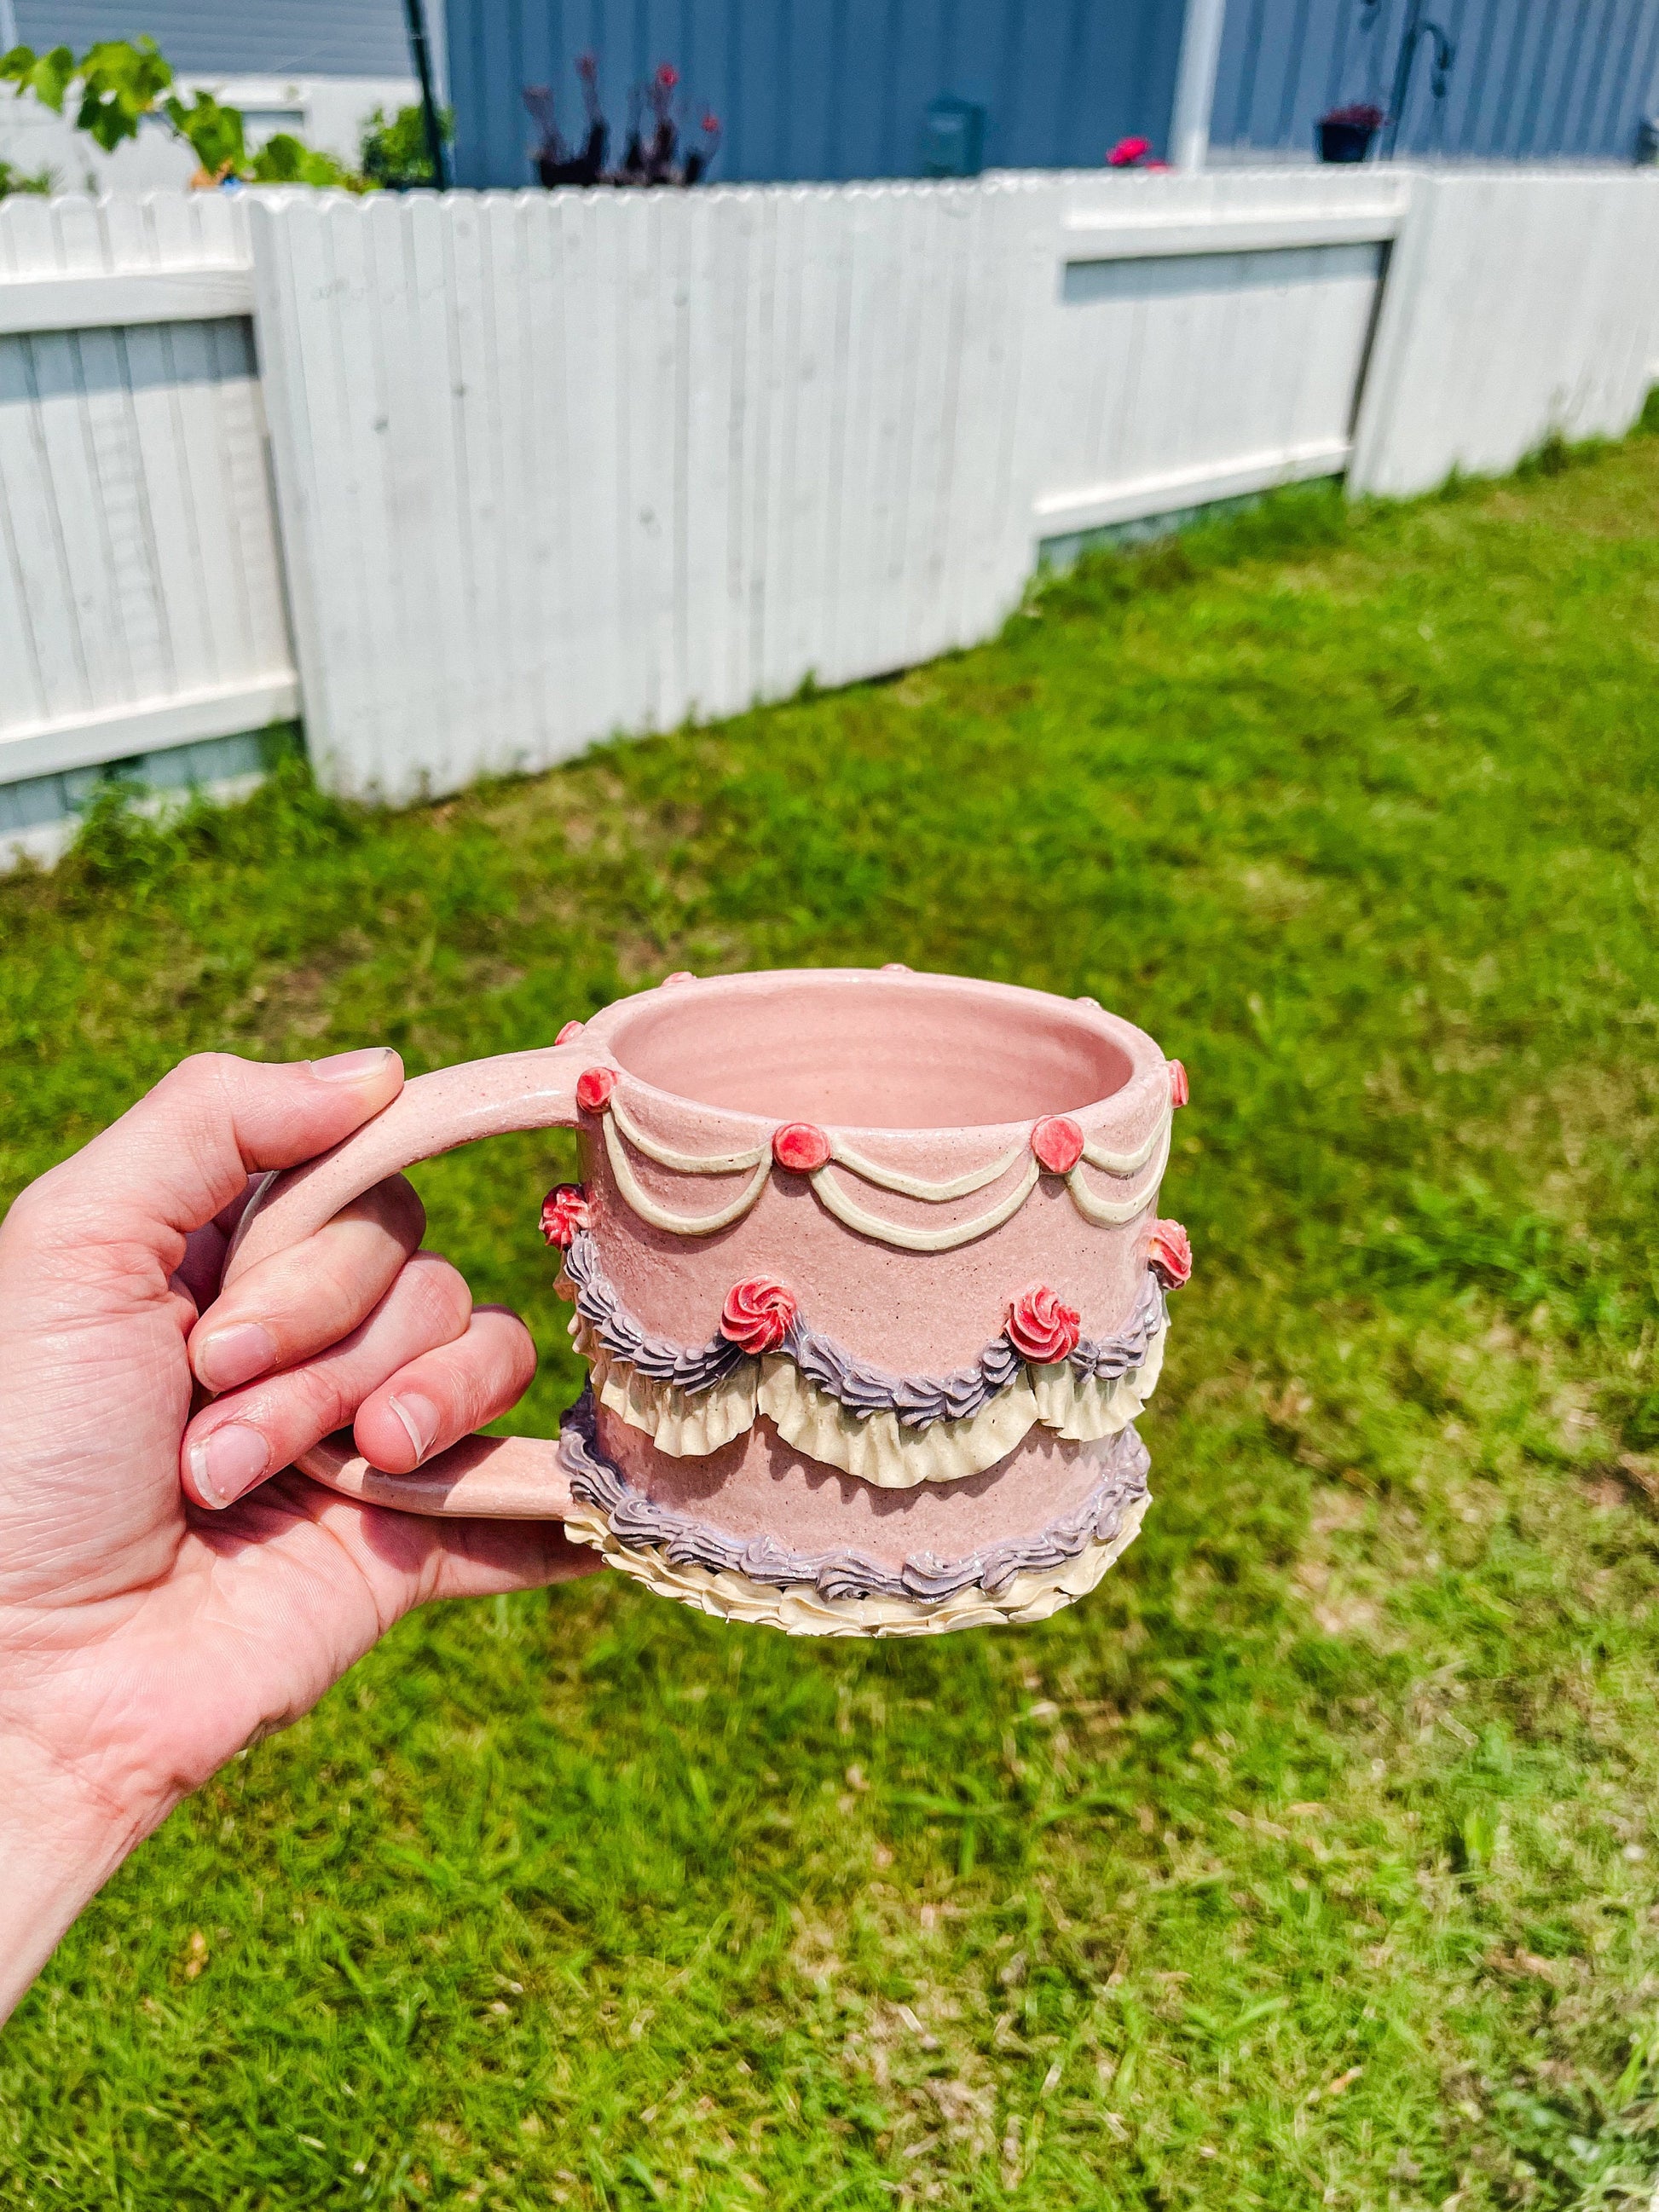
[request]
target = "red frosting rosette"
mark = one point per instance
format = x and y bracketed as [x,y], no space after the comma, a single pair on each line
[1039,1327]
[757,1316]
[564,1210]
[1169,1254]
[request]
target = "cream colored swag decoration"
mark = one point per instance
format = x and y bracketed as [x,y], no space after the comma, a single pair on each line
[876,1448]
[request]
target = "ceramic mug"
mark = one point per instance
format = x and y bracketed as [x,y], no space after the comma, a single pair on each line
[868,1271]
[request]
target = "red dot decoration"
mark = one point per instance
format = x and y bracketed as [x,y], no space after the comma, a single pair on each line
[1057,1143]
[570,1030]
[1178,1092]
[801,1147]
[593,1088]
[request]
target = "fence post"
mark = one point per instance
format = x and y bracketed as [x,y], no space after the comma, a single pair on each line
[1195,77]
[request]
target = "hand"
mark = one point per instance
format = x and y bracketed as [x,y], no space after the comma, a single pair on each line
[168,1594]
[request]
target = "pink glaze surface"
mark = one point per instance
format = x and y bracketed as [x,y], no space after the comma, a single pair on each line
[939,1079]
[758,1485]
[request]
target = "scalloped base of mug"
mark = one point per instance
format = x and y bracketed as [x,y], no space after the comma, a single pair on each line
[800,1611]
[847,1589]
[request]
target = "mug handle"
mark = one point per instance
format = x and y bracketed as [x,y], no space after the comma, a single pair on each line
[502,1477]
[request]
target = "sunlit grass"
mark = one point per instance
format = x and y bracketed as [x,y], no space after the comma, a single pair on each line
[1312,1860]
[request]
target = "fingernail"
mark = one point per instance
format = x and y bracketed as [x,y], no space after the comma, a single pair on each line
[420,1419]
[235,1355]
[353,1066]
[227,1463]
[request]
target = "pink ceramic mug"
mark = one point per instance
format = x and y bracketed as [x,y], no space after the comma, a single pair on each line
[868,1269]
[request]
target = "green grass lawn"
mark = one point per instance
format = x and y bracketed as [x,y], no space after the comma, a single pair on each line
[1315,1859]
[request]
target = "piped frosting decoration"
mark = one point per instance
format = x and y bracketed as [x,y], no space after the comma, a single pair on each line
[1056,1146]
[1041,1326]
[1169,1254]
[845,1593]
[565,1212]
[757,1317]
[892,1431]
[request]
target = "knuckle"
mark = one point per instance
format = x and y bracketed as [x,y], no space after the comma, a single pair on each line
[319,1401]
[198,1078]
[499,1360]
[441,1301]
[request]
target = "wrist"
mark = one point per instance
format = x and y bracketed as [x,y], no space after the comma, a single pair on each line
[58,1846]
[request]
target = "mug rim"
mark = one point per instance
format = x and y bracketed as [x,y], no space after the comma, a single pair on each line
[1147,1063]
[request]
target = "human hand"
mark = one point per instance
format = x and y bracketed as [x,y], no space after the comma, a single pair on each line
[168,1593]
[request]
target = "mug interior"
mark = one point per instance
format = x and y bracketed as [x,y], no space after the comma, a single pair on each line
[870,1051]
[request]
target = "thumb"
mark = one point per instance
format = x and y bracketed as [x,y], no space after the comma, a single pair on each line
[186,1149]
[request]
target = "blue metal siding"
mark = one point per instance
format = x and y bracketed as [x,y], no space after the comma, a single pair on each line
[209,38]
[1531,78]
[823,89]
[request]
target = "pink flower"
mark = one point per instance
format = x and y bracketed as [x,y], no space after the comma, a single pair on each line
[668,76]
[1057,1143]
[1127,152]
[564,1210]
[801,1147]
[757,1316]
[1039,1327]
[570,1030]
[1170,1255]
[593,1088]
[1178,1092]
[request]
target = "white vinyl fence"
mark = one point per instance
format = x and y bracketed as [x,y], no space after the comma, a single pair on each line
[1518,303]
[551,466]
[141,601]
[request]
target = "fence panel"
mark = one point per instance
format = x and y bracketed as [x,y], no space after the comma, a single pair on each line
[556,465]
[1209,341]
[141,601]
[630,455]
[1519,303]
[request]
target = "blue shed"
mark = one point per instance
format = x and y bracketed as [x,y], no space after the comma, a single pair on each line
[1529,80]
[821,88]
[841,89]
[814,89]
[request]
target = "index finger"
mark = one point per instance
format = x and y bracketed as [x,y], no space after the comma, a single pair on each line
[184,1152]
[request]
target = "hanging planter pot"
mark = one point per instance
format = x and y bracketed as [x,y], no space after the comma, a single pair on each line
[1346,134]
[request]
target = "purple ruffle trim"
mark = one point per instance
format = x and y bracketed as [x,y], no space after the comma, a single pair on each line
[919,1401]
[639,1524]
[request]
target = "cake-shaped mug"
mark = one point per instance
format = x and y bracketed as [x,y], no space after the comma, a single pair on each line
[868,1270]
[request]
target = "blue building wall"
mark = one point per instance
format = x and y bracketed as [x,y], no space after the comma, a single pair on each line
[236,38]
[1532,80]
[823,89]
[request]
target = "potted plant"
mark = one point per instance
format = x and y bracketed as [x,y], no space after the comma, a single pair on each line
[1346,134]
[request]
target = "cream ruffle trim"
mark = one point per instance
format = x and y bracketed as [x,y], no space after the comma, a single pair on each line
[799,1611]
[877,1449]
